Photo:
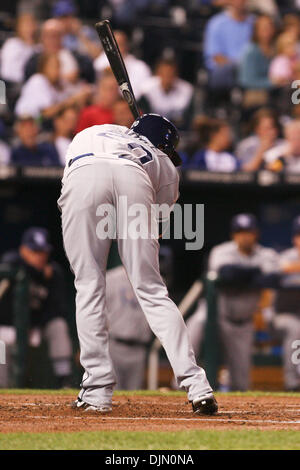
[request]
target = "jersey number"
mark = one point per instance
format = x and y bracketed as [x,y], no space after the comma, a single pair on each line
[141,153]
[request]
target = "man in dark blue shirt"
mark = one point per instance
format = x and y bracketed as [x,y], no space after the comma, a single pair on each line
[30,152]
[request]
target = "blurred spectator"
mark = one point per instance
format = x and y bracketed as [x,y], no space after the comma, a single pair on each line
[73,65]
[101,112]
[125,11]
[240,265]
[138,70]
[44,94]
[51,43]
[226,36]
[47,304]
[255,62]
[77,37]
[39,8]
[29,152]
[168,95]
[129,333]
[122,114]
[287,307]
[265,135]
[17,50]
[284,66]
[215,138]
[64,124]
[4,153]
[286,156]
[291,24]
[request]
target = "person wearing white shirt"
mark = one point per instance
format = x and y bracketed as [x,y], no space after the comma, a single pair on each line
[167,94]
[17,50]
[42,90]
[44,94]
[138,70]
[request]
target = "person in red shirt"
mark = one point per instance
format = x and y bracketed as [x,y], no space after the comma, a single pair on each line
[101,111]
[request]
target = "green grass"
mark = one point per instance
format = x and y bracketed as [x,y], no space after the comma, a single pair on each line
[181,440]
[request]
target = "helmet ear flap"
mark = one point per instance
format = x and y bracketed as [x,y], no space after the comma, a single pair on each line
[175,158]
[172,154]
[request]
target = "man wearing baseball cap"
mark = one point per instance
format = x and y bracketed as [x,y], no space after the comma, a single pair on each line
[47,302]
[238,265]
[287,307]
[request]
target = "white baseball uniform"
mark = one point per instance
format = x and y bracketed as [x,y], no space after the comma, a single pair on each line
[287,320]
[116,162]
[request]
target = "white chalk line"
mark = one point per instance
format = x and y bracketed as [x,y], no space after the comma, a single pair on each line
[198,420]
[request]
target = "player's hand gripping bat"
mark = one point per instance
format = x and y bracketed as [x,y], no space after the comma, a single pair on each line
[112,51]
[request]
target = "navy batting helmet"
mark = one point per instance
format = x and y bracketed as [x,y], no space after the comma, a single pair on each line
[161,133]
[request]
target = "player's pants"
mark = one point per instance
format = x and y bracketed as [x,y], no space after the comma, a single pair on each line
[84,190]
[129,363]
[290,326]
[235,320]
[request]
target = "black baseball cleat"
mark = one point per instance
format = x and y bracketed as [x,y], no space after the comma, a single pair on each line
[82,405]
[206,405]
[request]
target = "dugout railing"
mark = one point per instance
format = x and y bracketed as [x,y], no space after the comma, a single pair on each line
[17,279]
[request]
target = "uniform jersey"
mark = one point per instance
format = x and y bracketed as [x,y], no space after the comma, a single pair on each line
[228,253]
[118,142]
[289,256]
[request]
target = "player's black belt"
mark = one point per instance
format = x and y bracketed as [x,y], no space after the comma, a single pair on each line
[79,156]
[131,342]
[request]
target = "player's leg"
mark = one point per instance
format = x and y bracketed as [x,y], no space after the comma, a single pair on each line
[129,363]
[85,189]
[290,325]
[140,259]
[60,349]
[237,346]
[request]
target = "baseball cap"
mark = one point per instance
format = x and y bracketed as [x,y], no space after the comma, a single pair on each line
[296,226]
[63,8]
[37,239]
[244,222]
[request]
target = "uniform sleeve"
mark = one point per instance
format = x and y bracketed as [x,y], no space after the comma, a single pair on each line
[269,261]
[80,145]
[285,258]
[168,194]
[219,257]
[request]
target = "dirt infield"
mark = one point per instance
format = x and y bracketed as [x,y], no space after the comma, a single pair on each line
[51,413]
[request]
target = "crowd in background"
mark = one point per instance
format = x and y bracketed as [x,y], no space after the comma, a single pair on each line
[227,81]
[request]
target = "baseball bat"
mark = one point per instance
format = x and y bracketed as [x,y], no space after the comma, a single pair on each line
[114,56]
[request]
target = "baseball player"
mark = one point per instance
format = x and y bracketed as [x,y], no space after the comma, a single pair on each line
[239,263]
[106,164]
[129,332]
[287,307]
[47,305]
